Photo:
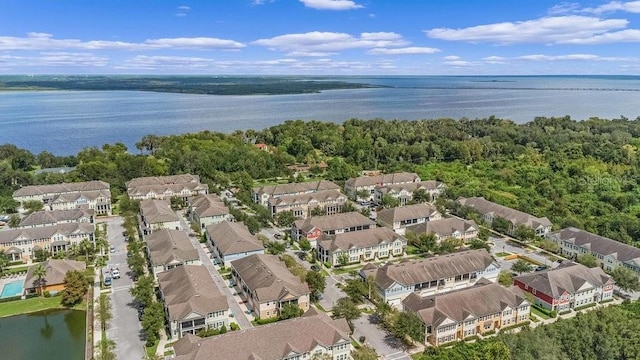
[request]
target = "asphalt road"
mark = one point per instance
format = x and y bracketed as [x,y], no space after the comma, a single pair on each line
[124,328]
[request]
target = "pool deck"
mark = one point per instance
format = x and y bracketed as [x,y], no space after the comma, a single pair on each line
[10,279]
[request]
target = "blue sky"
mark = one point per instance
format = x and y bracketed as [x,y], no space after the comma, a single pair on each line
[319,37]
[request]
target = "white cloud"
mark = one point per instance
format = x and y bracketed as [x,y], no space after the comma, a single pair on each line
[310,54]
[559,29]
[261,2]
[55,59]
[629,6]
[331,4]
[629,35]
[495,60]
[403,51]
[569,57]
[323,42]
[43,41]
[452,57]
[563,8]
[459,63]
[182,10]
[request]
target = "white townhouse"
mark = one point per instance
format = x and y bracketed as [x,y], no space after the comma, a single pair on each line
[404,192]
[231,241]
[94,195]
[313,227]
[156,215]
[166,187]
[330,201]
[399,218]
[261,195]
[490,210]
[205,210]
[169,248]
[448,228]
[369,183]
[358,246]
[54,217]
[432,275]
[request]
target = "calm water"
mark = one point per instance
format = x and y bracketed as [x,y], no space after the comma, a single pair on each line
[63,122]
[52,335]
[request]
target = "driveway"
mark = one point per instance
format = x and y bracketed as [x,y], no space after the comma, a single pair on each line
[386,345]
[500,245]
[124,328]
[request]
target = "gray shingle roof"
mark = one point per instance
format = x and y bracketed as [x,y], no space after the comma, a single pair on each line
[402,213]
[267,342]
[208,205]
[516,217]
[55,216]
[157,211]
[268,277]
[233,238]
[334,222]
[443,227]
[385,179]
[33,190]
[599,244]
[143,190]
[188,289]
[412,187]
[295,188]
[163,180]
[45,232]
[303,199]
[359,239]
[56,271]
[569,276]
[168,245]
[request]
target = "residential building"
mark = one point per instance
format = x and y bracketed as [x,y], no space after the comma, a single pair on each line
[369,183]
[267,285]
[192,300]
[54,217]
[94,195]
[299,338]
[365,245]
[166,187]
[205,210]
[398,218]
[490,210]
[262,194]
[53,281]
[475,310]
[169,248]
[610,253]
[448,228]
[313,227]
[231,241]
[433,275]
[568,286]
[404,192]
[330,201]
[20,244]
[156,215]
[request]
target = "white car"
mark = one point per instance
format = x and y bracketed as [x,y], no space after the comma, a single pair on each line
[115,273]
[113,249]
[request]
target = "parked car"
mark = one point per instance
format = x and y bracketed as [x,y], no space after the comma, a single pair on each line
[112,249]
[540,268]
[115,273]
[302,256]
[278,236]
[315,268]
[107,281]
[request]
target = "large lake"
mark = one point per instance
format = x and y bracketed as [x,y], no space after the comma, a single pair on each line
[50,335]
[64,122]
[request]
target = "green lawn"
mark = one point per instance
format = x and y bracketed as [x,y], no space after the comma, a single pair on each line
[503,254]
[34,304]
[151,350]
[539,314]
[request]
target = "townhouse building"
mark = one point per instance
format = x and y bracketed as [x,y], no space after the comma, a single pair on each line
[399,218]
[156,215]
[368,184]
[490,211]
[475,310]
[205,210]
[230,241]
[192,301]
[20,244]
[313,227]
[404,192]
[54,217]
[610,253]
[262,194]
[433,275]
[312,334]
[358,246]
[568,286]
[166,187]
[330,201]
[94,195]
[170,248]
[53,280]
[447,228]
[267,285]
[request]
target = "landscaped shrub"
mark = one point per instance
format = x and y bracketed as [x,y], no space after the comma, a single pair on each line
[234,326]
[362,339]
[47,294]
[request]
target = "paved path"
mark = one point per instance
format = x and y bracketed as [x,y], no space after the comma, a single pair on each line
[386,345]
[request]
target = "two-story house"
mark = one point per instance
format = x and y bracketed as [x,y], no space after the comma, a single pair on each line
[205,210]
[262,194]
[404,192]
[399,218]
[568,286]
[475,310]
[54,217]
[357,246]
[610,253]
[490,211]
[192,301]
[94,195]
[367,184]
[330,201]
[231,241]
[447,228]
[156,215]
[313,334]
[169,248]
[313,227]
[166,187]
[432,275]
[267,285]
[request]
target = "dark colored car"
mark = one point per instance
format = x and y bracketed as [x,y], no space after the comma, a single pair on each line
[540,268]
[315,268]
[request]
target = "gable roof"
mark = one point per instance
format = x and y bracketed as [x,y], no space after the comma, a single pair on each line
[268,277]
[56,271]
[168,245]
[303,199]
[296,188]
[484,298]
[157,211]
[412,187]
[233,238]
[402,213]
[432,268]
[334,222]
[385,179]
[443,227]
[600,245]
[45,232]
[359,239]
[63,188]
[267,342]
[162,180]
[208,205]
[188,289]
[56,216]
[516,217]
[569,277]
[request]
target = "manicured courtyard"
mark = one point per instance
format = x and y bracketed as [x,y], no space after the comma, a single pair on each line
[26,306]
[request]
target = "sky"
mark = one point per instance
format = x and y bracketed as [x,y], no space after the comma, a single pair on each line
[320,37]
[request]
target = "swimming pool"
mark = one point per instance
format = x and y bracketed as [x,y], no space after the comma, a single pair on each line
[12,289]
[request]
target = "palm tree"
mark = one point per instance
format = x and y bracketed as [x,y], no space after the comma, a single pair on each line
[101,244]
[4,261]
[86,247]
[101,261]
[40,272]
